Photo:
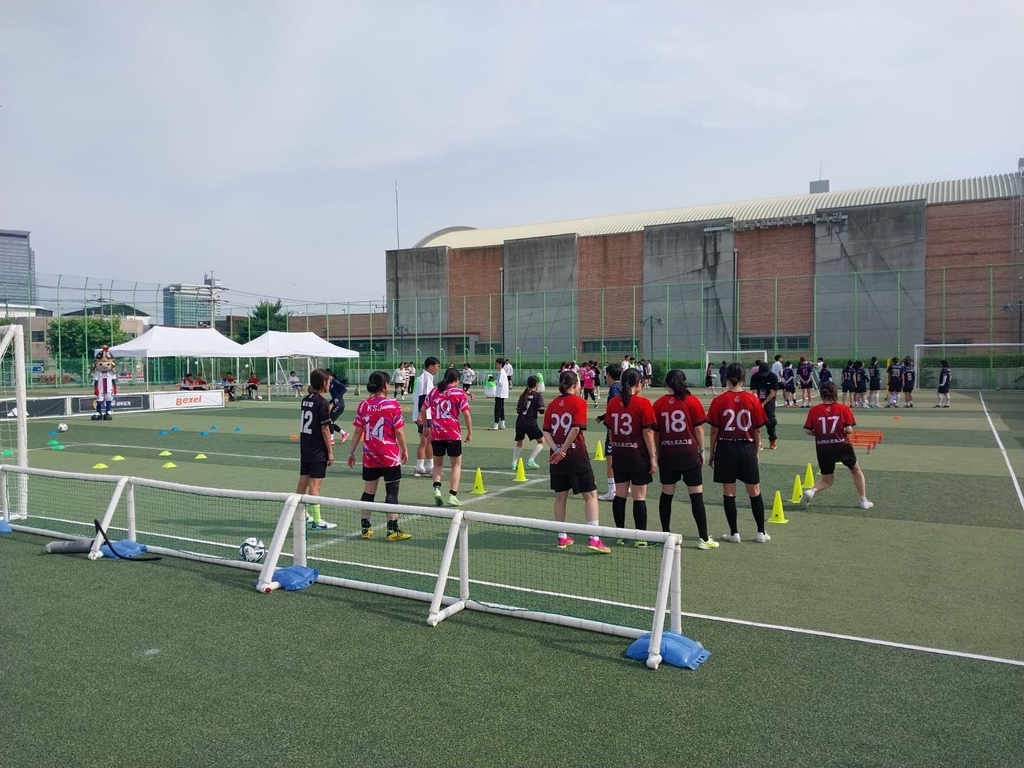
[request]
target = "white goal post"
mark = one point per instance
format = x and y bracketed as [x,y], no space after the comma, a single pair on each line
[973,366]
[457,559]
[13,414]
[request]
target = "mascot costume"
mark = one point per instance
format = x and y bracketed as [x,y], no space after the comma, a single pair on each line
[104,380]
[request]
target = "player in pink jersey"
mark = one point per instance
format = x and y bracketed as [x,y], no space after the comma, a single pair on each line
[381,428]
[446,402]
[831,423]
[736,417]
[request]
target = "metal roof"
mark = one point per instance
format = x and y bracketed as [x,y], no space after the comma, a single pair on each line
[770,209]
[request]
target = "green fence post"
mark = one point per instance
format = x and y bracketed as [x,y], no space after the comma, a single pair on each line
[899,311]
[856,331]
[991,325]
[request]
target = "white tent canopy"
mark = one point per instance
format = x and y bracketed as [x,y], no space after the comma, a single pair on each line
[281,344]
[162,341]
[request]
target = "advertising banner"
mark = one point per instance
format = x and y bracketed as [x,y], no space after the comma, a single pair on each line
[39,406]
[121,403]
[170,401]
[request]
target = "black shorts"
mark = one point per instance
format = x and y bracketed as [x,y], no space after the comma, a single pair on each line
[531,431]
[690,477]
[736,460]
[806,385]
[909,388]
[895,387]
[944,390]
[633,478]
[791,388]
[875,386]
[708,381]
[579,482]
[314,469]
[847,387]
[861,390]
[828,459]
[390,474]
[420,427]
[451,448]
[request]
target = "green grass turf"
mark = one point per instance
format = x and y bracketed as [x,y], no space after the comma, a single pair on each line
[182,664]
[939,561]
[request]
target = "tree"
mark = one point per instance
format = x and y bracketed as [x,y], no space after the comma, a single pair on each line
[67,336]
[265,316]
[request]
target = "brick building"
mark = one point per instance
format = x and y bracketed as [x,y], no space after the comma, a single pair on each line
[831,273]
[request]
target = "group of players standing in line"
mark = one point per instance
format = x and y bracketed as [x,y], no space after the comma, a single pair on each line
[666,437]
[860,384]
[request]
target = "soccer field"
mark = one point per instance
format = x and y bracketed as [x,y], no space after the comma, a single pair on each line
[329,676]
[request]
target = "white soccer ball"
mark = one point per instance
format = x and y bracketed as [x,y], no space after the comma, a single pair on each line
[252,550]
[259,397]
[62,427]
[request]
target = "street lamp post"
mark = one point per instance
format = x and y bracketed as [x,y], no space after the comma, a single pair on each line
[650,321]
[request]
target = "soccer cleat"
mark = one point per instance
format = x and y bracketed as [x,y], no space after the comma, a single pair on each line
[733,537]
[639,543]
[761,538]
[709,544]
[397,535]
[366,534]
[515,466]
[808,496]
[309,518]
[865,504]
[438,501]
[564,542]
[773,444]
[323,525]
[596,545]
[610,496]
[453,500]
[533,464]
[493,429]
[420,472]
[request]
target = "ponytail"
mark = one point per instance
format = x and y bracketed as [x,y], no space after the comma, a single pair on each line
[676,381]
[566,381]
[630,379]
[377,382]
[531,382]
[450,377]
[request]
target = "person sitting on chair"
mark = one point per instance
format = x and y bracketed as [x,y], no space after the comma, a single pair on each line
[198,382]
[252,385]
[295,383]
[187,383]
[229,386]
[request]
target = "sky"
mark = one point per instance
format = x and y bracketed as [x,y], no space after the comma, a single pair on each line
[161,140]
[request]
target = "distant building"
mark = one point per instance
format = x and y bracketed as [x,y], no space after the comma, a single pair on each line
[192,306]
[17,268]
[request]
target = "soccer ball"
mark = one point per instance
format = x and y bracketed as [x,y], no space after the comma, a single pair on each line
[252,550]
[62,427]
[259,397]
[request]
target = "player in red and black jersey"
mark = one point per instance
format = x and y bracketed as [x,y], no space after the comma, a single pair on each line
[630,423]
[679,419]
[831,423]
[564,421]
[315,452]
[736,417]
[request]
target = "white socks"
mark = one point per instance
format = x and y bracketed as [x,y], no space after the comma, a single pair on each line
[515,453]
[536,451]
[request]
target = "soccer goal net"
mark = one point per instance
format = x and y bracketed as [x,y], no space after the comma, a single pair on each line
[746,357]
[973,366]
[456,559]
[13,414]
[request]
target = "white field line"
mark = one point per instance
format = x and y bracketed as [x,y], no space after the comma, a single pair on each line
[1006,458]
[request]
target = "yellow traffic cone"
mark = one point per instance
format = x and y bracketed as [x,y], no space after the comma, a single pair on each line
[478,484]
[778,514]
[809,477]
[599,453]
[798,491]
[520,471]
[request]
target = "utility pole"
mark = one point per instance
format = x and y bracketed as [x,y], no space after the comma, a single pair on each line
[650,321]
